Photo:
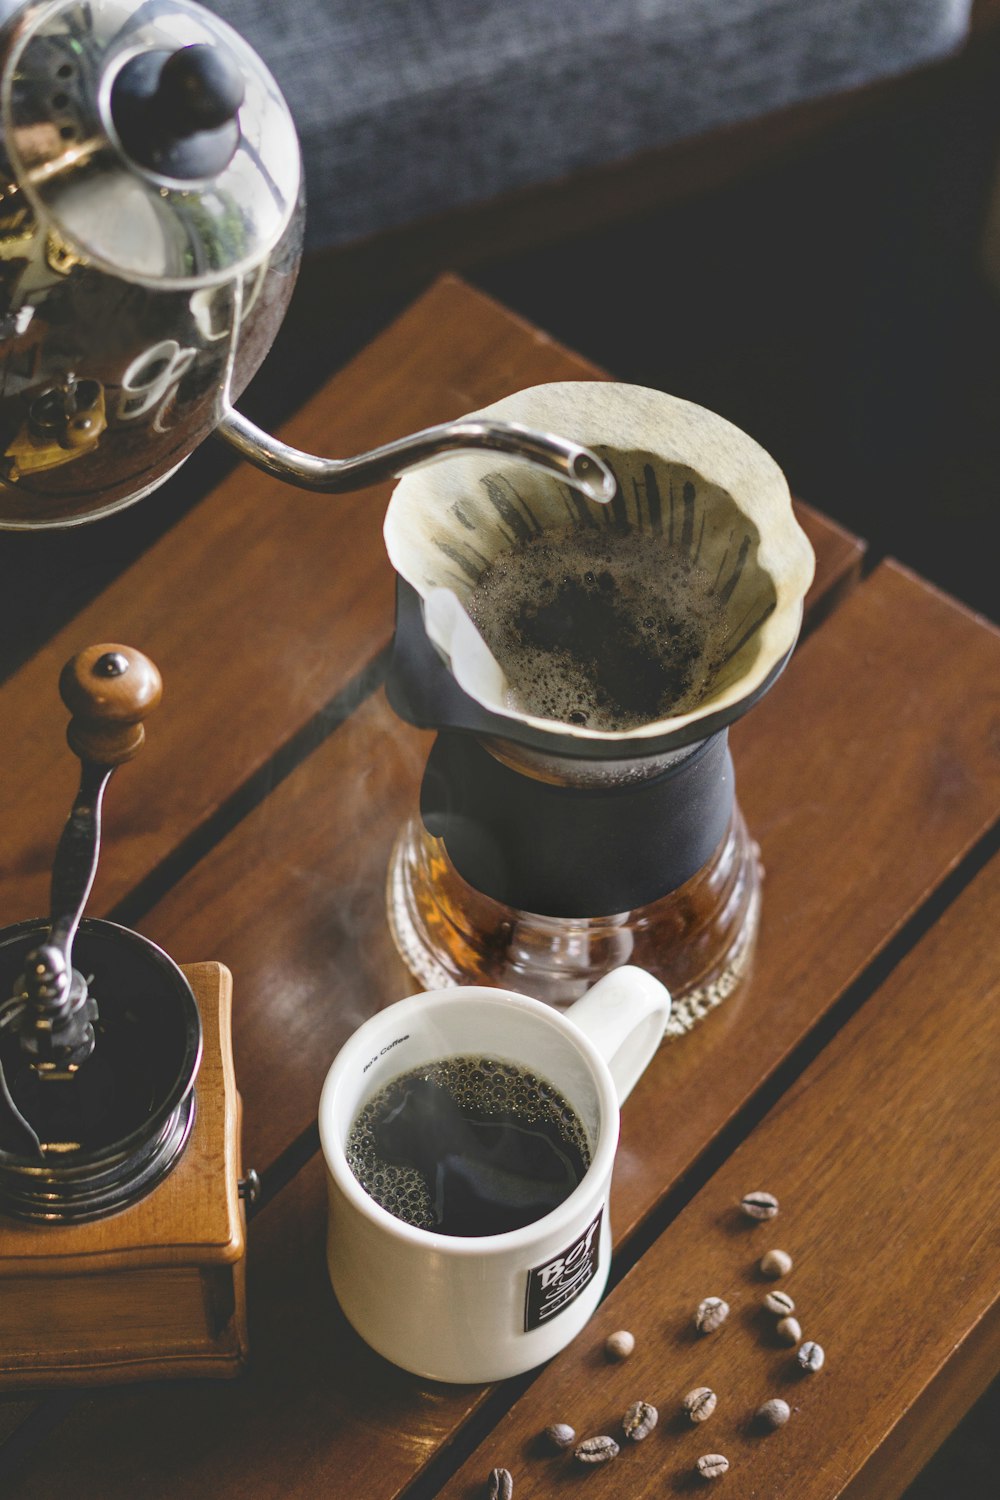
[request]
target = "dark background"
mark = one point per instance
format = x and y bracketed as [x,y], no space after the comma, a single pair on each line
[832,307]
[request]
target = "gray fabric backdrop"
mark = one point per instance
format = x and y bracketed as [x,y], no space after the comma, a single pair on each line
[406,108]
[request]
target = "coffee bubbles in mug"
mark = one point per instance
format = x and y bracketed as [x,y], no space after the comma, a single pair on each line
[468,1146]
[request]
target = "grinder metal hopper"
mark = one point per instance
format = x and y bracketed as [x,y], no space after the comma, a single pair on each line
[549,839]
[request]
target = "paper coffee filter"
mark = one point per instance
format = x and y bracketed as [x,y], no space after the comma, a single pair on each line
[683,473]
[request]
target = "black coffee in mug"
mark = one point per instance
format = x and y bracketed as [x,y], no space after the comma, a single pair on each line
[468,1146]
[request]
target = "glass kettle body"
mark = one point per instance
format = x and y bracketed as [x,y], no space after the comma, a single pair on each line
[151,218]
[135,302]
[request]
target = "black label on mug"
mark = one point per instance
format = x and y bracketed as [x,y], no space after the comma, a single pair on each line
[556,1284]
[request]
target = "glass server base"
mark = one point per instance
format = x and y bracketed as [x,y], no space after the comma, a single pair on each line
[699,939]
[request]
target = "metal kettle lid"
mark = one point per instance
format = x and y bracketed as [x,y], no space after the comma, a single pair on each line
[149,138]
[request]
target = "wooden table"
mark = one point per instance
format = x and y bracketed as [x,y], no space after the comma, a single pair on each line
[855,1078]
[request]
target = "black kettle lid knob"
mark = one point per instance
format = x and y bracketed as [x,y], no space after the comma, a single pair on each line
[200,88]
[177,112]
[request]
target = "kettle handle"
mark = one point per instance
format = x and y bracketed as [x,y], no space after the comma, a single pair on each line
[564,460]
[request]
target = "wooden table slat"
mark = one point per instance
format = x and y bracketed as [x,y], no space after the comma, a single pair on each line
[839,558]
[857,830]
[883,1158]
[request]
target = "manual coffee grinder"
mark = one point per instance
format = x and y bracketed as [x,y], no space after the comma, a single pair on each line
[582,664]
[122,1234]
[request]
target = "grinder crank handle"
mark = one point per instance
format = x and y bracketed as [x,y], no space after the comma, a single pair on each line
[109,690]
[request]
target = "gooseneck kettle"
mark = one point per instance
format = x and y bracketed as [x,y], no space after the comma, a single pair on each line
[151,214]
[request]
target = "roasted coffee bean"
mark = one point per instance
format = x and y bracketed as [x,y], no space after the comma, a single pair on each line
[779,1303]
[596,1450]
[711,1314]
[619,1345]
[773,1413]
[788,1331]
[811,1356]
[639,1421]
[560,1435]
[500,1485]
[776,1263]
[759,1205]
[712,1465]
[700,1403]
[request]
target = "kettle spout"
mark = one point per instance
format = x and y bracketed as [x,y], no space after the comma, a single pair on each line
[571,462]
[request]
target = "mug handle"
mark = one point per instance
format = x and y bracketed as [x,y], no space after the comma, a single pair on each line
[624,1015]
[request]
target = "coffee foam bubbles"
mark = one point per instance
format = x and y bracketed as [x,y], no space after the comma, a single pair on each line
[483,1087]
[600,629]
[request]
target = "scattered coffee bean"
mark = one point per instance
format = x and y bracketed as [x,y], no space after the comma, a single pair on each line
[776,1263]
[500,1485]
[596,1450]
[700,1403]
[639,1421]
[560,1435]
[711,1314]
[712,1465]
[788,1331]
[773,1413]
[779,1303]
[760,1205]
[811,1356]
[619,1345]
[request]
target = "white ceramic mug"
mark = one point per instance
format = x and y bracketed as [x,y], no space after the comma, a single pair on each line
[472,1309]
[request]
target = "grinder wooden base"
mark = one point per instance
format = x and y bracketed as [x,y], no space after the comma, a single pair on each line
[157,1290]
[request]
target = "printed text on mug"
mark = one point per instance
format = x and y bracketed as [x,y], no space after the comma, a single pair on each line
[554,1286]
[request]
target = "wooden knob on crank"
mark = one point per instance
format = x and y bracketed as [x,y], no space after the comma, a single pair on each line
[109,690]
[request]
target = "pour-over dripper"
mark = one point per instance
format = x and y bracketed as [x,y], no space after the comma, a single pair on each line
[704,495]
[549,849]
